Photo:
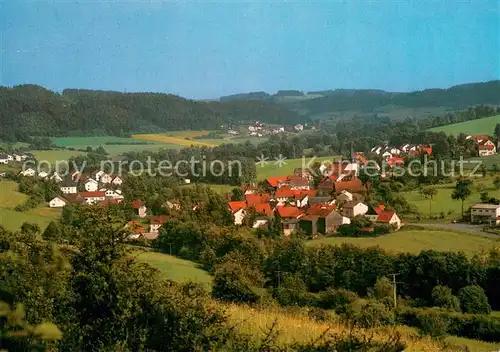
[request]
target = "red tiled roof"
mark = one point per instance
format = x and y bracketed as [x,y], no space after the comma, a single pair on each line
[310,217]
[284,192]
[351,186]
[480,137]
[159,219]
[288,212]
[361,158]
[299,194]
[385,216]
[257,198]
[273,181]
[486,146]
[263,208]
[321,210]
[136,204]
[93,194]
[298,181]
[395,161]
[380,208]
[237,205]
[105,203]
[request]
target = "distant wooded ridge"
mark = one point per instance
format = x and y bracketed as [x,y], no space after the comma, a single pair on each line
[369,100]
[31,110]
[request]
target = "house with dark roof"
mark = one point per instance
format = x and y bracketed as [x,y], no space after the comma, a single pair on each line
[322,219]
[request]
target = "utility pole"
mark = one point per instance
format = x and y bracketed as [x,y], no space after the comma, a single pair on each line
[279,278]
[394,284]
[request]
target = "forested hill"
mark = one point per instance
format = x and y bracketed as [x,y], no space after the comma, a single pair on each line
[30,110]
[372,100]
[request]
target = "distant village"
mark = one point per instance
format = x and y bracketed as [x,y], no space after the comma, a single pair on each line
[259,129]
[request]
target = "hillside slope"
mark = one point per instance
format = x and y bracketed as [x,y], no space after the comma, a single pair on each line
[31,110]
[484,126]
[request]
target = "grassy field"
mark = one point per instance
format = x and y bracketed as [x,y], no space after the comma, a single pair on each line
[414,241]
[11,219]
[222,189]
[271,169]
[172,140]
[485,125]
[175,269]
[298,327]
[52,156]
[442,201]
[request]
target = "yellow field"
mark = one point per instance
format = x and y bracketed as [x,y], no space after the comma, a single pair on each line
[298,327]
[172,140]
[186,134]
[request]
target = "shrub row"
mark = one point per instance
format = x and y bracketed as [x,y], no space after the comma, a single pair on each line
[474,326]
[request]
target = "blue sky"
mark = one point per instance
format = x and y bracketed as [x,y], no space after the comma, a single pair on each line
[207,49]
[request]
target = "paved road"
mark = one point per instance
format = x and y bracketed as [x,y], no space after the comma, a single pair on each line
[460,227]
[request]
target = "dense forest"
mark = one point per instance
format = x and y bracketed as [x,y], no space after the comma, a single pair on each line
[30,110]
[368,100]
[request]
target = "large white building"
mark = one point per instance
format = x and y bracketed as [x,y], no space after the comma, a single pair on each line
[485,213]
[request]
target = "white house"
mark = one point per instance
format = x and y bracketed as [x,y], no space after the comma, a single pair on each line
[91,185]
[55,177]
[98,175]
[298,127]
[354,208]
[117,181]
[68,188]
[389,217]
[485,213]
[156,222]
[238,209]
[18,158]
[377,150]
[10,157]
[105,178]
[58,202]
[43,174]
[486,148]
[345,196]
[4,159]
[28,172]
[386,155]
[92,197]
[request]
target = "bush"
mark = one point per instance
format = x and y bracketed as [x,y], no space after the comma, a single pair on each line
[338,300]
[472,326]
[473,300]
[434,325]
[442,297]
[237,283]
[371,314]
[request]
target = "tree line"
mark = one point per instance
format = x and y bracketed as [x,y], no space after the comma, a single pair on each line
[30,110]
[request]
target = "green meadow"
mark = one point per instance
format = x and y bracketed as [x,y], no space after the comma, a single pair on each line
[485,125]
[11,219]
[271,168]
[415,241]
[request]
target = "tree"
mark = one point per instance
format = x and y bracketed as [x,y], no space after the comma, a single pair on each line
[473,300]
[484,197]
[462,191]
[496,182]
[443,297]
[236,194]
[497,132]
[429,192]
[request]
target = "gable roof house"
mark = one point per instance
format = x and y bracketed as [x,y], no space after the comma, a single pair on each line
[373,213]
[56,177]
[389,217]
[4,158]
[354,208]
[322,219]
[68,187]
[156,223]
[353,186]
[105,178]
[93,197]
[43,174]
[283,195]
[58,202]
[486,148]
[29,172]
[257,198]
[117,180]
[274,181]
[238,209]
[140,207]
[91,185]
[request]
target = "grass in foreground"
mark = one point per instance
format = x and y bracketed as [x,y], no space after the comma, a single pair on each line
[175,269]
[415,241]
[300,328]
[485,125]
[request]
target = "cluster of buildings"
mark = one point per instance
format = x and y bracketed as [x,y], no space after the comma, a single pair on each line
[10,158]
[298,205]
[100,187]
[394,156]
